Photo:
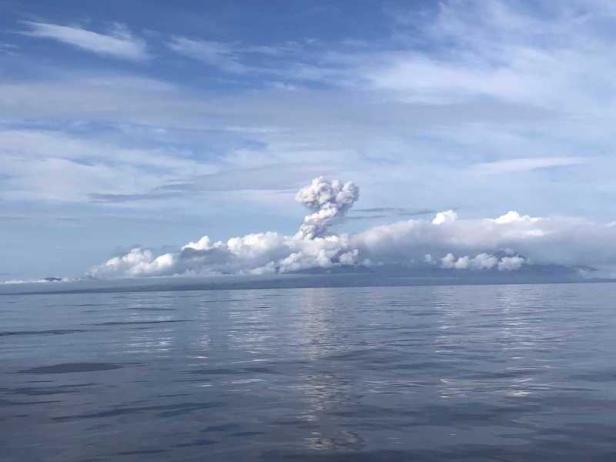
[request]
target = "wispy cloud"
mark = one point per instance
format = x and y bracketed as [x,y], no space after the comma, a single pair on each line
[121,198]
[525,164]
[80,165]
[234,57]
[118,43]
[265,178]
[375,213]
[214,53]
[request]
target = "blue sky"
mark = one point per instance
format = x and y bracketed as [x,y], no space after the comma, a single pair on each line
[130,123]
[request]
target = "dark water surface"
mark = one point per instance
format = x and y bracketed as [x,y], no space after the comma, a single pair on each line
[473,373]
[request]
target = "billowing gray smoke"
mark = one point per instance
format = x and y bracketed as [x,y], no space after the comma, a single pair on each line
[329,200]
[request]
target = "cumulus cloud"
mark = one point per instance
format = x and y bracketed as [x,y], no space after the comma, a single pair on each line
[447,216]
[482,261]
[541,240]
[259,253]
[509,242]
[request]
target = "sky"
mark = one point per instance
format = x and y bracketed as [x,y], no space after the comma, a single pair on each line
[146,125]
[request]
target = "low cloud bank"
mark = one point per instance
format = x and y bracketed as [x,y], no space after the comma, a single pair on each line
[509,242]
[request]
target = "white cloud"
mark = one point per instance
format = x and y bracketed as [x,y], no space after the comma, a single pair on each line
[80,166]
[447,216]
[510,263]
[258,253]
[118,43]
[483,261]
[524,164]
[542,240]
[505,243]
[413,124]
[552,55]
[231,57]
[214,53]
[514,217]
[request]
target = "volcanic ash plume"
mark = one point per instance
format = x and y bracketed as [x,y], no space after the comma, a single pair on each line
[510,242]
[330,200]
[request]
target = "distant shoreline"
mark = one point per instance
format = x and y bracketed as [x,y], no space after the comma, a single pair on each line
[290,281]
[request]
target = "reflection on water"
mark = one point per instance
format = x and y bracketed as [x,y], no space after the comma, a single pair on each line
[502,328]
[425,373]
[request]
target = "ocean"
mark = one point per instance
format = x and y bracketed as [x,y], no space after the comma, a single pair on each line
[426,373]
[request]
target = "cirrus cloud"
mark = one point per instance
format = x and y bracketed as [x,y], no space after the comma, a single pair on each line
[118,43]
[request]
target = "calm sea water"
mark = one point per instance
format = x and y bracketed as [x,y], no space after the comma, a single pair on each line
[474,373]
